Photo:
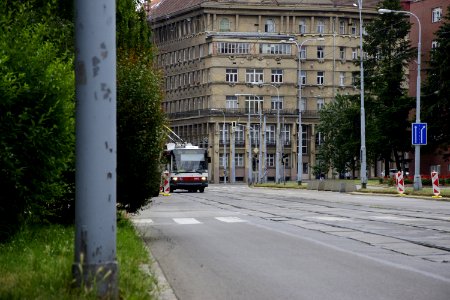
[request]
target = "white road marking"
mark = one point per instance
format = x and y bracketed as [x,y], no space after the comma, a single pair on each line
[230,219]
[332,219]
[186,221]
[142,221]
[392,218]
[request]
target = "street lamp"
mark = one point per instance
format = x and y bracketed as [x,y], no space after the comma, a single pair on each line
[417,179]
[363,171]
[224,162]
[299,101]
[278,143]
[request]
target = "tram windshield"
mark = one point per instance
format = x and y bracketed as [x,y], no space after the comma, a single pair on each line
[189,160]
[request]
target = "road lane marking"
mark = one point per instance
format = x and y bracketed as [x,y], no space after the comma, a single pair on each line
[186,221]
[230,219]
[332,219]
[142,221]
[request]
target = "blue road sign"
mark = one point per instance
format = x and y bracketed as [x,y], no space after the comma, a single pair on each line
[419,133]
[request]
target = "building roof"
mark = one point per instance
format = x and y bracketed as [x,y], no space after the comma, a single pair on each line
[165,8]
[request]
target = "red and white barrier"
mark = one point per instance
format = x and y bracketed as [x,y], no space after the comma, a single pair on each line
[165,184]
[435,182]
[400,182]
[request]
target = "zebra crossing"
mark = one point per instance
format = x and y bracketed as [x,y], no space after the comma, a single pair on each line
[186,221]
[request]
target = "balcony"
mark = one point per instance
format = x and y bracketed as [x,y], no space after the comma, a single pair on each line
[240,112]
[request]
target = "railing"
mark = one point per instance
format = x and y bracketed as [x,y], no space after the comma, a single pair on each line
[241,112]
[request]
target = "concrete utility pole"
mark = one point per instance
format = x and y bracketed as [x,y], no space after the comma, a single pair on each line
[95,263]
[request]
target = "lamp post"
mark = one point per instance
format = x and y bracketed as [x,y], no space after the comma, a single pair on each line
[363,171]
[278,133]
[417,179]
[224,161]
[299,104]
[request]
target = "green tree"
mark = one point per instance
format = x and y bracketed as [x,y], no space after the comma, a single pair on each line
[340,129]
[388,54]
[436,101]
[36,116]
[140,119]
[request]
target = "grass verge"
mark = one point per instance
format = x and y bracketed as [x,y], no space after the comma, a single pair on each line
[37,262]
[380,188]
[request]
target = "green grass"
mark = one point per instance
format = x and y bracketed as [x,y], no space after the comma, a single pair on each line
[381,188]
[37,263]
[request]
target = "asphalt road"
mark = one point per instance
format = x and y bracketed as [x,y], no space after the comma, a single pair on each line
[235,242]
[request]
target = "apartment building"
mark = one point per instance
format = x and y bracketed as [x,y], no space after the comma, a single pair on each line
[241,75]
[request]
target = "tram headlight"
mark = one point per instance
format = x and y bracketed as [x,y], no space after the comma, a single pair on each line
[175,178]
[203,178]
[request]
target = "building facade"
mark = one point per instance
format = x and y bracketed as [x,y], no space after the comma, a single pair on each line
[430,13]
[241,75]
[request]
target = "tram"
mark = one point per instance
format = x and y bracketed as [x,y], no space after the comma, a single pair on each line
[186,167]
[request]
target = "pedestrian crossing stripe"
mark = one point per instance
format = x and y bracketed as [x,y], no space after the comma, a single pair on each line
[230,219]
[188,221]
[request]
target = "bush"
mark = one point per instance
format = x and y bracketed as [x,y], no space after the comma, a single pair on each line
[140,132]
[36,121]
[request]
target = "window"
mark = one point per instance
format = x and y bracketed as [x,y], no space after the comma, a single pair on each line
[303,52]
[303,77]
[303,104]
[342,78]
[320,77]
[269,26]
[254,75]
[276,103]
[239,159]
[224,25]
[231,48]
[270,160]
[277,76]
[286,160]
[342,53]
[305,167]
[341,27]
[286,134]
[355,78]
[270,134]
[253,104]
[275,49]
[320,103]
[302,26]
[221,158]
[354,53]
[320,26]
[231,75]
[320,54]
[239,133]
[353,29]
[436,14]
[231,102]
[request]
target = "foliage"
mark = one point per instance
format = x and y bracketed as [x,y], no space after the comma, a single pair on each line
[36,264]
[36,118]
[139,116]
[139,133]
[340,128]
[436,101]
[388,54]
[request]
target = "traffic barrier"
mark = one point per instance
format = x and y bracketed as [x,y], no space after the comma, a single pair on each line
[400,182]
[166,184]
[435,182]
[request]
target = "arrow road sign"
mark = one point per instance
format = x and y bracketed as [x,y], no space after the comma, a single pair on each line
[419,133]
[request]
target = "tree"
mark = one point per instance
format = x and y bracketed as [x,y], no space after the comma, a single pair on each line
[340,129]
[36,116]
[140,119]
[388,54]
[436,101]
